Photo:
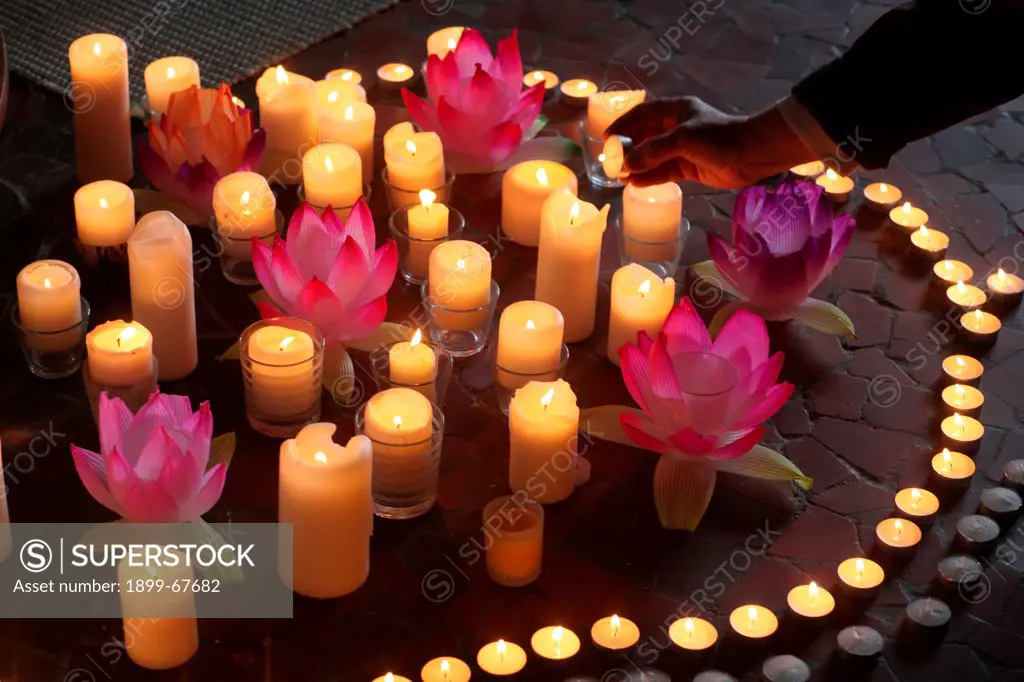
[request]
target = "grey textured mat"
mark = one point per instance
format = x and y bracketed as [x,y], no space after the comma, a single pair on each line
[231,39]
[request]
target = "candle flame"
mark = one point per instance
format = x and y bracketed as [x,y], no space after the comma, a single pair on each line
[947,459]
[1001,274]
[958,420]
[281,76]
[616,623]
[574,212]
[883,187]
[502,648]
[898,527]
[530,324]
[416,338]
[285,342]
[245,197]
[332,96]
[389,678]
[451,43]
[959,283]
[397,421]
[427,198]
[859,567]
[328,164]
[401,69]
[542,177]
[347,76]
[960,364]
[688,626]
[831,174]
[618,99]
[103,203]
[582,85]
[601,157]
[170,72]
[320,457]
[545,400]
[978,316]
[906,207]
[460,264]
[238,101]
[556,634]
[923,230]
[812,590]
[47,283]
[96,48]
[411,146]
[960,392]
[751,615]
[948,264]
[349,113]
[644,288]
[537,76]
[127,334]
[915,498]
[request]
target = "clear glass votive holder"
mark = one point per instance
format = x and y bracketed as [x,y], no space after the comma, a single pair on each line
[507,382]
[434,391]
[282,369]
[342,212]
[56,354]
[592,149]
[236,252]
[405,474]
[413,253]
[661,258]
[134,395]
[515,542]
[401,198]
[463,333]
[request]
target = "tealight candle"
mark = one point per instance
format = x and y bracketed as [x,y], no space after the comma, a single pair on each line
[860,577]
[976,534]
[1002,505]
[753,621]
[103,134]
[967,400]
[962,433]
[400,423]
[443,41]
[614,633]
[925,621]
[810,601]
[120,353]
[881,196]
[952,470]
[918,505]
[283,372]
[898,536]
[578,91]
[555,643]
[391,677]
[809,170]
[652,218]
[524,189]
[962,369]
[501,658]
[514,540]
[837,187]
[1013,475]
[412,363]
[965,296]
[693,634]
[543,420]
[980,327]
[958,574]
[349,122]
[931,244]
[640,302]
[414,161]
[529,343]
[445,669]
[859,646]
[332,175]
[785,668]
[459,279]
[50,300]
[908,216]
[166,76]
[947,272]
[548,78]
[604,108]
[345,75]
[104,213]
[394,75]
[1004,288]
[287,104]
[428,225]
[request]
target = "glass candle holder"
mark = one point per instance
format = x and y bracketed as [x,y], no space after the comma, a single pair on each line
[399,197]
[463,333]
[661,258]
[404,473]
[414,252]
[236,252]
[516,540]
[282,368]
[592,149]
[343,212]
[53,354]
[391,370]
[508,381]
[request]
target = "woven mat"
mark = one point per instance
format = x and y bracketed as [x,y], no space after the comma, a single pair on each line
[231,39]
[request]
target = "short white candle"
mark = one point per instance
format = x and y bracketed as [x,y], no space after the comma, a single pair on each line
[414,161]
[244,207]
[283,373]
[104,213]
[459,279]
[50,300]
[428,224]
[332,175]
[120,353]
[524,189]
[543,421]
[640,302]
[651,222]
[529,342]
[288,116]
[443,41]
[166,76]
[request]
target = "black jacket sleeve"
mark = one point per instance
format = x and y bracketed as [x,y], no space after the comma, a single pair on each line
[920,68]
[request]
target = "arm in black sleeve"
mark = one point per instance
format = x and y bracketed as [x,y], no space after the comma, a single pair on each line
[920,68]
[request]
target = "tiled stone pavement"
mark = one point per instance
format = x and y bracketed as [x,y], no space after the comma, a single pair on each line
[604,550]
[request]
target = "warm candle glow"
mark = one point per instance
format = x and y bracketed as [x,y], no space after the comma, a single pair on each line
[881,188]
[859,568]
[411,147]
[530,324]
[238,102]
[898,526]
[752,616]
[813,591]
[831,174]
[582,85]
[320,457]
[328,164]
[285,342]
[332,96]
[616,624]
[915,498]
[574,213]
[349,112]
[947,460]
[960,283]
[397,420]
[556,634]
[460,264]
[170,72]
[446,667]
[688,626]
[546,399]
[104,204]
[281,76]
[47,283]
[389,678]
[502,648]
[427,198]
[644,288]
[127,335]
[451,43]
[906,207]
[542,178]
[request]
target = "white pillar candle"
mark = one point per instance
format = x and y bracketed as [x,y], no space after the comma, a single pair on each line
[99,94]
[288,116]
[543,421]
[332,176]
[50,300]
[443,41]
[325,493]
[524,188]
[529,342]
[5,518]
[104,213]
[244,207]
[283,374]
[568,260]
[640,302]
[604,108]
[414,161]
[166,76]
[351,123]
[428,223]
[459,279]
[161,625]
[413,363]
[163,297]
[651,220]
[120,353]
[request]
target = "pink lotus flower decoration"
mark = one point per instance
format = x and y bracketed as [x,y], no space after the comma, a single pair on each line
[203,136]
[476,104]
[153,466]
[785,242]
[328,273]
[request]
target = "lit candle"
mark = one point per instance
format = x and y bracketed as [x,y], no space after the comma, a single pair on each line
[287,104]
[837,187]
[907,216]
[947,272]
[809,170]
[952,470]
[428,226]
[99,94]
[962,369]
[120,353]
[349,122]
[604,108]
[980,327]
[283,372]
[753,621]
[345,75]
[529,343]
[244,207]
[333,94]
[332,175]
[810,601]
[501,658]
[395,75]
[882,197]
[898,535]
[1004,288]
[555,643]
[543,421]
[104,213]
[399,421]
[693,634]
[414,161]
[413,363]
[168,635]
[918,505]
[965,296]
[613,157]
[50,300]
[445,669]
[324,492]
[578,91]
[524,189]
[443,41]
[931,244]
[514,543]
[166,76]
[568,260]
[962,433]
[967,400]
[162,291]
[860,577]
[548,78]
[640,302]
[459,279]
[614,633]
[651,222]
[391,677]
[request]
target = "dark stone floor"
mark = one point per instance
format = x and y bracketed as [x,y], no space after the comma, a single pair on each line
[846,425]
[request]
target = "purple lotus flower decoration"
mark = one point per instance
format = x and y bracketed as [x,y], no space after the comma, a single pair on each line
[153,466]
[328,273]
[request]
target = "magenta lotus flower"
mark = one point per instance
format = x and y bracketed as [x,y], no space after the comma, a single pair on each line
[476,103]
[328,273]
[785,242]
[153,466]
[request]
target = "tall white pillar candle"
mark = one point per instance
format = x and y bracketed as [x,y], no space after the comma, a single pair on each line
[99,97]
